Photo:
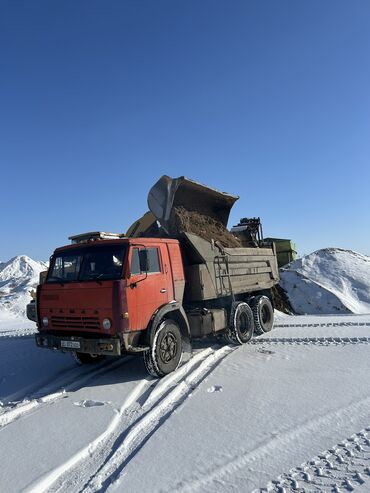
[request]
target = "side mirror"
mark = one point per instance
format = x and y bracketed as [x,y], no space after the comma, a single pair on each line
[144,267]
[42,277]
[144,261]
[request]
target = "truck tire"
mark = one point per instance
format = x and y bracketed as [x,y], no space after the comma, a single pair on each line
[87,358]
[241,326]
[165,353]
[263,314]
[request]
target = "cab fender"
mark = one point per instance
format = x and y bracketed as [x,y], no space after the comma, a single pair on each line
[176,312]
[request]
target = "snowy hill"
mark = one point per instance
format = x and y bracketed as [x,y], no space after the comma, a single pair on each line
[17,277]
[327,281]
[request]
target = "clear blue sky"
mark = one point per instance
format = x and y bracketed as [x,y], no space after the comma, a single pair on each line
[269,100]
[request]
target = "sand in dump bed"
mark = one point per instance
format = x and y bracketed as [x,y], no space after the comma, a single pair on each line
[186,221]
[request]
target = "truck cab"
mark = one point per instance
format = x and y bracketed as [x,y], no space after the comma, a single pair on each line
[99,297]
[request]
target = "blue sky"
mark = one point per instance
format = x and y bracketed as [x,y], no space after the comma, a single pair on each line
[268,100]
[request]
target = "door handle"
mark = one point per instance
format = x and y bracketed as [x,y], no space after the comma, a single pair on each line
[163,290]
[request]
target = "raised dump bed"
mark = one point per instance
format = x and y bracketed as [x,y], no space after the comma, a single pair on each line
[216,265]
[213,271]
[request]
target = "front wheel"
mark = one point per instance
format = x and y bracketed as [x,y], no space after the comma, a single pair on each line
[164,355]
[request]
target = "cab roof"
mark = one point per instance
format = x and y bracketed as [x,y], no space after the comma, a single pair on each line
[121,241]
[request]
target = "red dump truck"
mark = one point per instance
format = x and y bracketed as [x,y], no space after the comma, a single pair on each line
[109,294]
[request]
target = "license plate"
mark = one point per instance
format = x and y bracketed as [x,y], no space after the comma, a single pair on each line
[70,344]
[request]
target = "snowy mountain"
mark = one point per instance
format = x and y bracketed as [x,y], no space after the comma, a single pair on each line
[17,277]
[327,281]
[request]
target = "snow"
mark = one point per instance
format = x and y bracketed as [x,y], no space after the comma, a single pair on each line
[331,280]
[289,411]
[292,408]
[14,326]
[18,277]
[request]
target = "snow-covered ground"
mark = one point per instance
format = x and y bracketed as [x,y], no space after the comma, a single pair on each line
[331,280]
[10,325]
[288,412]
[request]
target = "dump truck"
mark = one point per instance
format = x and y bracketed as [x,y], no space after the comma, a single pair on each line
[111,294]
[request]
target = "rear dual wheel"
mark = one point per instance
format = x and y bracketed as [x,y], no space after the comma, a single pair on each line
[263,314]
[241,326]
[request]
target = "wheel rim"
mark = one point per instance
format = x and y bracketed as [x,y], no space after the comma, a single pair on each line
[168,347]
[265,315]
[242,324]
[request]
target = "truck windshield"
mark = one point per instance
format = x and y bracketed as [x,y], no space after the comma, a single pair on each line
[87,264]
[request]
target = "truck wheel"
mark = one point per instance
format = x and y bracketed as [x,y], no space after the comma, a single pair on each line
[87,358]
[241,325]
[263,314]
[165,353]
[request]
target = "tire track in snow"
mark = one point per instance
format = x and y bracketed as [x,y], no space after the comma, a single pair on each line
[144,427]
[116,428]
[45,482]
[53,381]
[8,334]
[155,401]
[210,478]
[326,324]
[317,341]
[344,467]
[54,391]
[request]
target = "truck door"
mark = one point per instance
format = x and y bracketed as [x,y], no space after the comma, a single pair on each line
[149,286]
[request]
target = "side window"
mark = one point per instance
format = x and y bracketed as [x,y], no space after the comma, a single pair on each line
[145,260]
[135,262]
[153,260]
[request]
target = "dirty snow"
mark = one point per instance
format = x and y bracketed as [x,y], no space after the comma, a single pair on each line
[287,412]
[331,280]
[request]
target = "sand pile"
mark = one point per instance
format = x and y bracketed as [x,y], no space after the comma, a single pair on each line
[186,221]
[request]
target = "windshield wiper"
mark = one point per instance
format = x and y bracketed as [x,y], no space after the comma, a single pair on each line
[97,278]
[91,277]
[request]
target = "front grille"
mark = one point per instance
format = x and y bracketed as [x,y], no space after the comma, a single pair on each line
[75,322]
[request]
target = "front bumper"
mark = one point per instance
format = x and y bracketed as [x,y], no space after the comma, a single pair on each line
[107,346]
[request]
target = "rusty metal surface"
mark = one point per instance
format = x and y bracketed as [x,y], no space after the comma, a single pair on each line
[216,272]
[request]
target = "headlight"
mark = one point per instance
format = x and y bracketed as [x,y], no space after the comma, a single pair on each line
[106,324]
[45,321]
